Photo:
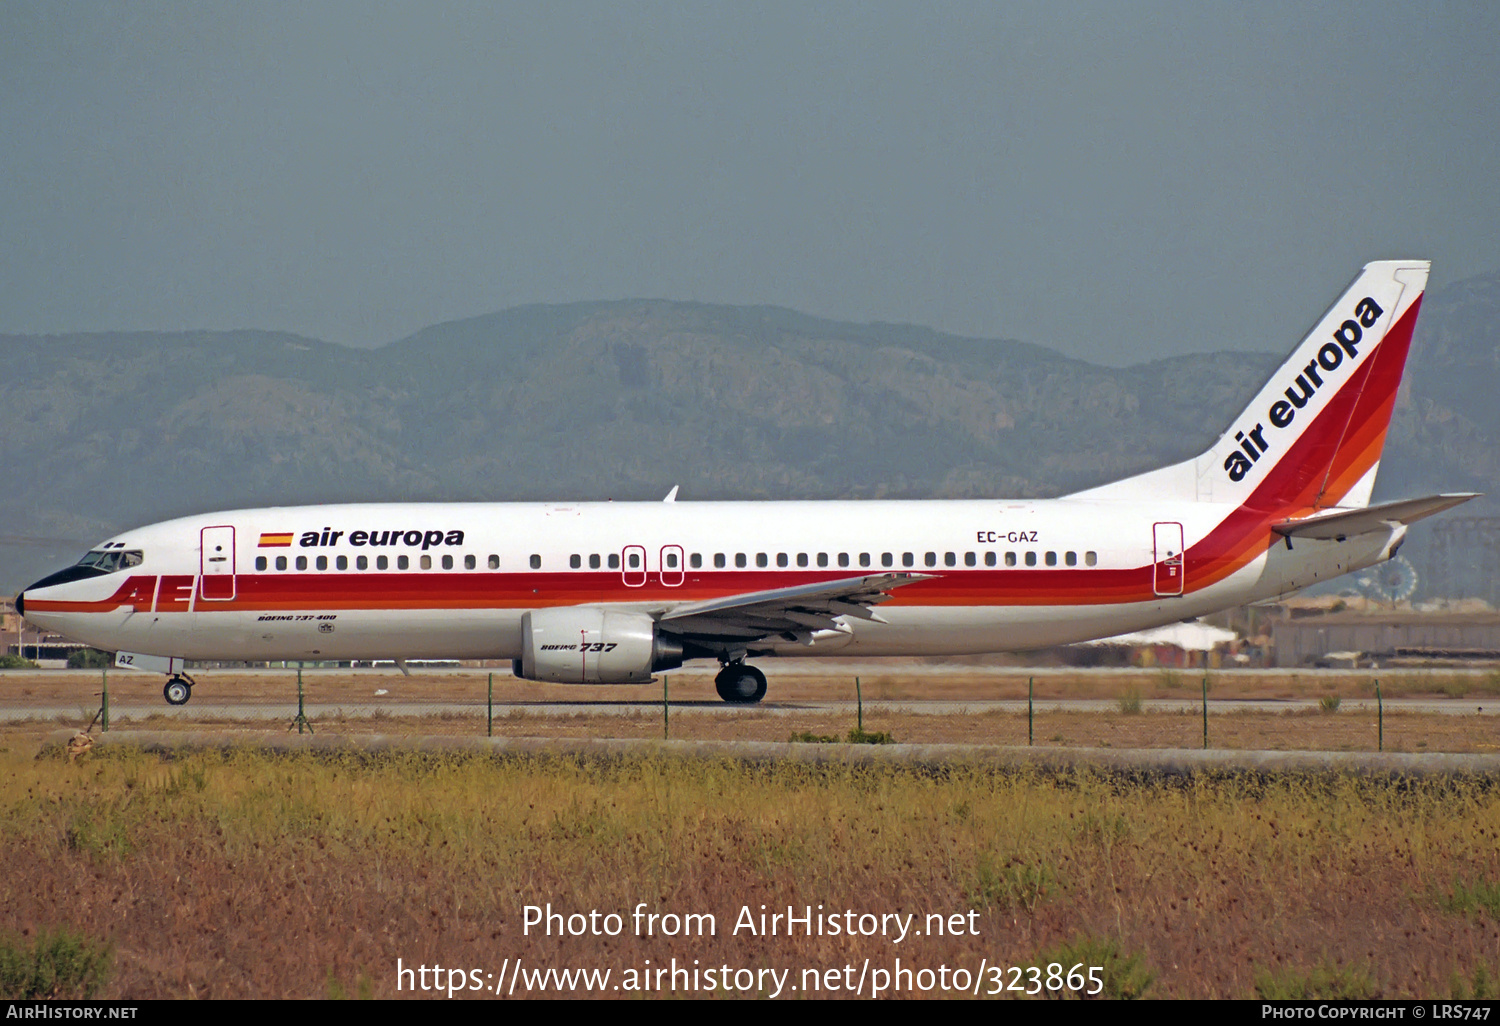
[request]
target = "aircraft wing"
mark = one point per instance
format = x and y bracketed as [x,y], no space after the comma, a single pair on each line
[1338,524]
[794,613]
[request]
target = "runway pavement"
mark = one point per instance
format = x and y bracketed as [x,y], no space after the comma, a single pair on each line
[207,709]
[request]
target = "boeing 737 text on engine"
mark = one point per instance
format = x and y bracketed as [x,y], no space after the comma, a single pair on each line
[603,593]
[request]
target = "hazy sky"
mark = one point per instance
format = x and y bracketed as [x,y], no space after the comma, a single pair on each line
[1120,182]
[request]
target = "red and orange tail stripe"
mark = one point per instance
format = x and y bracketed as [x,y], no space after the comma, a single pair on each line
[1318,470]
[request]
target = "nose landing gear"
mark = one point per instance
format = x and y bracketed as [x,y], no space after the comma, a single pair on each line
[178,690]
[739,684]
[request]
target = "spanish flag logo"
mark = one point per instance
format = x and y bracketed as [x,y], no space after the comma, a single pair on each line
[275,539]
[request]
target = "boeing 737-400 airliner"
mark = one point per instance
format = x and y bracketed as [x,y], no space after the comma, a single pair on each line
[603,593]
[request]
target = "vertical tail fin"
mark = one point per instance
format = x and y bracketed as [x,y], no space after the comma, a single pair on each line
[1313,435]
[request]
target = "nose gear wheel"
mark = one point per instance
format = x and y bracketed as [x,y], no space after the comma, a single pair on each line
[178,690]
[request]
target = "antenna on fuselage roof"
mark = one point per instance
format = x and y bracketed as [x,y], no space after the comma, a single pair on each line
[672,495]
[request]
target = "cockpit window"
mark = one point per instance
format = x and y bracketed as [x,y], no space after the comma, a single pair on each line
[112,560]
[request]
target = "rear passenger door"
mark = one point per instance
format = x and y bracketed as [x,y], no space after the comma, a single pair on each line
[1167,548]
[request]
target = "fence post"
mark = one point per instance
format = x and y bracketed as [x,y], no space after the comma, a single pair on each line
[1030,715]
[859,708]
[301,720]
[1380,714]
[1205,711]
[666,709]
[489,709]
[105,697]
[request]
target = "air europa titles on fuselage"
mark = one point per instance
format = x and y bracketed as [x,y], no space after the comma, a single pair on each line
[1346,339]
[426,539]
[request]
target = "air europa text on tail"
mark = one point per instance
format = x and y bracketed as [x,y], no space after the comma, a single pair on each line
[1329,358]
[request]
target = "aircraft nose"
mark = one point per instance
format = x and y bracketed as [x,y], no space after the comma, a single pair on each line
[21,604]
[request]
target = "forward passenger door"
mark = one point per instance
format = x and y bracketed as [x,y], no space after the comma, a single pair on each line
[216,563]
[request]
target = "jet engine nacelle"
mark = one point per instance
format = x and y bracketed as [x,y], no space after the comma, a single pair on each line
[583,645]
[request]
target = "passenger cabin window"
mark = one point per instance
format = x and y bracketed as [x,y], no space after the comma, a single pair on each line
[593,561]
[1031,559]
[382,563]
[931,559]
[575,561]
[949,559]
[822,559]
[719,561]
[908,559]
[633,561]
[1090,558]
[281,562]
[302,562]
[494,562]
[1051,559]
[781,559]
[614,561]
[448,562]
[536,561]
[843,559]
[362,563]
[989,559]
[864,559]
[402,562]
[761,560]
[801,559]
[969,559]
[469,562]
[886,559]
[1010,559]
[322,562]
[671,561]
[739,559]
[342,562]
[426,562]
[260,562]
[695,560]
[1071,559]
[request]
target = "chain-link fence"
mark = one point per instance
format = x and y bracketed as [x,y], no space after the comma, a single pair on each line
[1448,711]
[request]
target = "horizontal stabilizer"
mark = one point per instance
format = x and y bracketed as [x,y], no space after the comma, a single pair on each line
[1339,524]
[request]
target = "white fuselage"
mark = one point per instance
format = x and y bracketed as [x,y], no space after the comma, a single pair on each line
[409,581]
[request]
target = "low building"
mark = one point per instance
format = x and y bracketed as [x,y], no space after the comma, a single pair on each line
[1349,638]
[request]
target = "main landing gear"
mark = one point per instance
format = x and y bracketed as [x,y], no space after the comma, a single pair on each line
[739,684]
[179,689]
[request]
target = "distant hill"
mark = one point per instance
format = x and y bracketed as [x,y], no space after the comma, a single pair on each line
[625,399]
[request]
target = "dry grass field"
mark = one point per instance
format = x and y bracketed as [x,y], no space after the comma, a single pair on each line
[248,874]
[252,874]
